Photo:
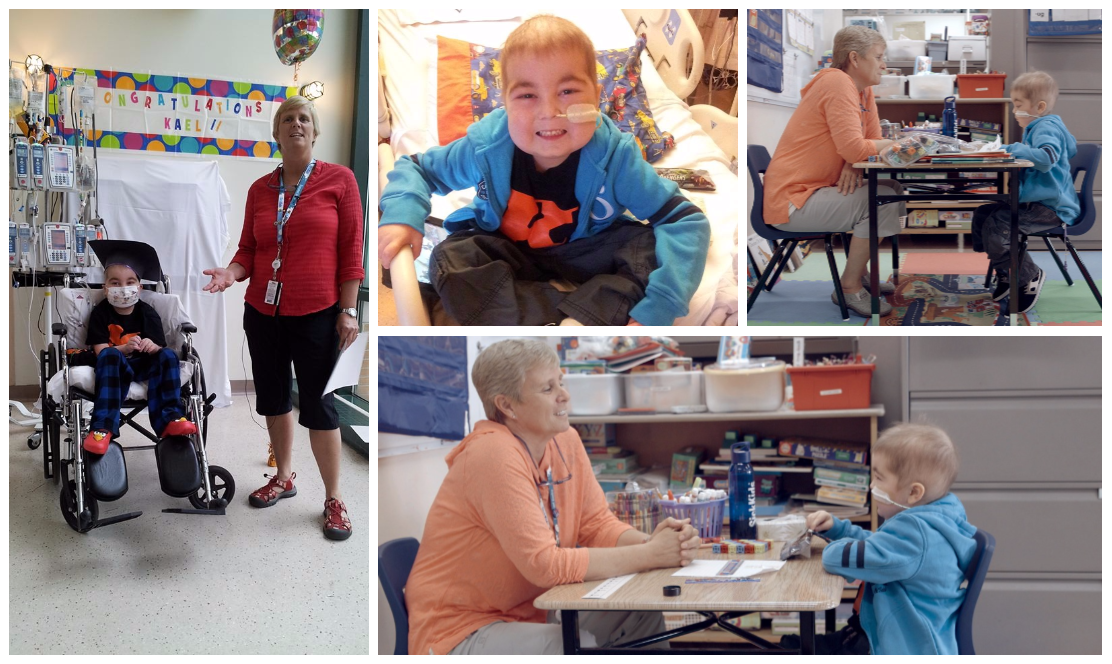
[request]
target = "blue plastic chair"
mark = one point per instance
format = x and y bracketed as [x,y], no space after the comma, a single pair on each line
[395,560]
[1087,159]
[785,242]
[978,568]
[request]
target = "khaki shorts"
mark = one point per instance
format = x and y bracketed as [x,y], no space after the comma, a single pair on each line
[603,628]
[827,211]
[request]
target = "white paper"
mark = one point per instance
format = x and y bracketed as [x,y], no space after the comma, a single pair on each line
[1071,14]
[607,587]
[349,365]
[710,568]
[1040,15]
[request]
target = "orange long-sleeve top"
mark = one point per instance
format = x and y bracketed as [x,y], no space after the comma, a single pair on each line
[833,125]
[489,548]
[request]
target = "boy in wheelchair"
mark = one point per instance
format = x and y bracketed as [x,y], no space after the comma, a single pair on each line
[126,336]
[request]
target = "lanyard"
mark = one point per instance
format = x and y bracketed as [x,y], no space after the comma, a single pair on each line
[555,523]
[284,214]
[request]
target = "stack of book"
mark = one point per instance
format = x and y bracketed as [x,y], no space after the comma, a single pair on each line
[841,483]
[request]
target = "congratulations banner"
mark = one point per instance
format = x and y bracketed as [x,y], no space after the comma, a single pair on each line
[180,114]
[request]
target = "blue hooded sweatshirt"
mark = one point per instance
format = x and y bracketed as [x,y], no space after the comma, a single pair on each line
[1049,145]
[612,177]
[913,567]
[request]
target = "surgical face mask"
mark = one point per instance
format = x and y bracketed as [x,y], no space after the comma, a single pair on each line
[882,496]
[123,296]
[1025,114]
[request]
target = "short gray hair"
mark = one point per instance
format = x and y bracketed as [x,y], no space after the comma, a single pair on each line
[501,369]
[854,38]
[293,103]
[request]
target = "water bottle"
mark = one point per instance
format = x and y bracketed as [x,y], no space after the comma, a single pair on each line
[949,119]
[743,497]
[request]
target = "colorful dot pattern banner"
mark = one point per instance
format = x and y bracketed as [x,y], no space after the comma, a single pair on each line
[178,114]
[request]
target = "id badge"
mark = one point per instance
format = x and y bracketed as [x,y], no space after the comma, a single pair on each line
[273,292]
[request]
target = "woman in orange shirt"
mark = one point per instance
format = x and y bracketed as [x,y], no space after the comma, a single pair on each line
[811,184]
[521,512]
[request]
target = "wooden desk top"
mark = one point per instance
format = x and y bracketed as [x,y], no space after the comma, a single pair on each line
[883,165]
[800,585]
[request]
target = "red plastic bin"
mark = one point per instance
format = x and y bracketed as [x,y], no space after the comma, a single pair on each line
[981,86]
[835,387]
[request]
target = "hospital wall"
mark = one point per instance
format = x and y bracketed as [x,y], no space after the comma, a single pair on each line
[222,44]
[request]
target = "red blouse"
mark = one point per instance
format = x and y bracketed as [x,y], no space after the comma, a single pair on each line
[322,243]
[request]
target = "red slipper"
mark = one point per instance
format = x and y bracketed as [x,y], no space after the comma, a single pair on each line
[97,442]
[180,427]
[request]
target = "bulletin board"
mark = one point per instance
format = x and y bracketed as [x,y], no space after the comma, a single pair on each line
[1063,22]
[422,386]
[765,49]
[796,63]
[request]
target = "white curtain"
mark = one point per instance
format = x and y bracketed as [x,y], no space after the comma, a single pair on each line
[179,207]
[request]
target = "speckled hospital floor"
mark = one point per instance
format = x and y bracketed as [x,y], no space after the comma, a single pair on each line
[255,581]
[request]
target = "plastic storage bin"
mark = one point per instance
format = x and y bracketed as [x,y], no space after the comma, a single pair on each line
[837,387]
[971,47]
[661,390]
[905,49]
[934,86]
[936,51]
[757,387]
[890,86]
[981,85]
[705,517]
[594,394]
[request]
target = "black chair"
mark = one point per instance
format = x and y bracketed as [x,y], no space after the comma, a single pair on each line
[978,568]
[785,242]
[395,560]
[1087,159]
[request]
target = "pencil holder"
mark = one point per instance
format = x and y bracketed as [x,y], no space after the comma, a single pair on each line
[705,517]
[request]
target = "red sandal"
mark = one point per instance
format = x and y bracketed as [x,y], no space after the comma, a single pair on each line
[336,524]
[273,491]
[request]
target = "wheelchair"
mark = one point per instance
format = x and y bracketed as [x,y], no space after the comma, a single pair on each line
[68,394]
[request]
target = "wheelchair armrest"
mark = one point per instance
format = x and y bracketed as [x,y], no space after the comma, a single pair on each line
[58,329]
[188,328]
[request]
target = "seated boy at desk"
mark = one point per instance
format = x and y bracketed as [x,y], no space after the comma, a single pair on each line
[1047,198]
[913,566]
[551,199]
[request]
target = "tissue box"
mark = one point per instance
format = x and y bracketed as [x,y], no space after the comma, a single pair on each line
[922,218]
[956,215]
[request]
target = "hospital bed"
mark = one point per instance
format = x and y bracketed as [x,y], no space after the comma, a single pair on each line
[705,137]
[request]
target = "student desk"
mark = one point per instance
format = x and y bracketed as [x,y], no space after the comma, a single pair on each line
[800,585]
[872,169]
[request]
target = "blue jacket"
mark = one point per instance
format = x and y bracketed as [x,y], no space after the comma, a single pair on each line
[913,568]
[612,178]
[1049,145]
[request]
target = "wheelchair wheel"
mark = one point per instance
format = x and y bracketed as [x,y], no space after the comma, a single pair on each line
[69,507]
[34,440]
[223,488]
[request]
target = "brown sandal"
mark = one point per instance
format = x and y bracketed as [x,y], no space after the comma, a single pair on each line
[336,524]
[273,491]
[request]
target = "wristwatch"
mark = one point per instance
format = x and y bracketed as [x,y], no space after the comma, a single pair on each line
[351,311]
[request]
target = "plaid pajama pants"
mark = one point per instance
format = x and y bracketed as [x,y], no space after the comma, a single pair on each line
[115,373]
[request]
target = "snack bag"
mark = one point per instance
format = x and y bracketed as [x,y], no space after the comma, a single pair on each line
[909,149]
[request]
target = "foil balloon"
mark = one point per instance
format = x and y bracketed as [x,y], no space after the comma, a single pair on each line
[297,33]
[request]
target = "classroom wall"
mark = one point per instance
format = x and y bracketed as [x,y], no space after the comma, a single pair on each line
[212,43]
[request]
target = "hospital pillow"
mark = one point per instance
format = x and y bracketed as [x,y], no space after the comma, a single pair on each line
[469,87]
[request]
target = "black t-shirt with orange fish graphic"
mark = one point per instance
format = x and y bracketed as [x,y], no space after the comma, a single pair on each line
[107,326]
[542,208]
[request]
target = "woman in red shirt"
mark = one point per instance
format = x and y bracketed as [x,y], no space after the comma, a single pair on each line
[302,251]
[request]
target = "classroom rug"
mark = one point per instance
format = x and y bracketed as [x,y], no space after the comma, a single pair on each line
[939,288]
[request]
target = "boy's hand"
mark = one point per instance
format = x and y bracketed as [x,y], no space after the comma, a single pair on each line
[633,323]
[392,237]
[820,521]
[148,346]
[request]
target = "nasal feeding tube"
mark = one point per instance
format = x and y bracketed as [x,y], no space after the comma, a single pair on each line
[580,113]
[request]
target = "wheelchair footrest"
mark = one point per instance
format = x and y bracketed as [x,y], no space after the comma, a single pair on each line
[179,473]
[181,510]
[116,519]
[106,473]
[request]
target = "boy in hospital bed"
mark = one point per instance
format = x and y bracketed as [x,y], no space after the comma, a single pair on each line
[1047,198]
[126,335]
[552,191]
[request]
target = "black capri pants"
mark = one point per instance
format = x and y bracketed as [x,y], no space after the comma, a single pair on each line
[312,344]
